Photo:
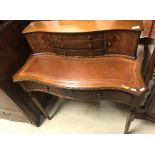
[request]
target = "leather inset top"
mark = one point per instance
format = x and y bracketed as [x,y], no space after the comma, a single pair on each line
[104,72]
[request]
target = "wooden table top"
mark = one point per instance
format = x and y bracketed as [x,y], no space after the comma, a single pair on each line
[77,26]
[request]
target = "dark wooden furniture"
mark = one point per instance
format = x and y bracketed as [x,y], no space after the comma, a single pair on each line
[149,111]
[148,39]
[84,60]
[87,39]
[14,50]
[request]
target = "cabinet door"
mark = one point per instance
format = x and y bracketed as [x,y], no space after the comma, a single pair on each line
[122,42]
[39,42]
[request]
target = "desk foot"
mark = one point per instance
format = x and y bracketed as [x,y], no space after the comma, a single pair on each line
[129,119]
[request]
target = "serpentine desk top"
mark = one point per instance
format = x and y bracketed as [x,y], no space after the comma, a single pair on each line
[83,73]
[77,26]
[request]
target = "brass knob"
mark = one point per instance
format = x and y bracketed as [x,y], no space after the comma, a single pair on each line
[90,45]
[109,43]
[99,94]
[89,36]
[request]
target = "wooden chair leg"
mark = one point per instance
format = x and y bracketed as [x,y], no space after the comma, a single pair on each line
[129,119]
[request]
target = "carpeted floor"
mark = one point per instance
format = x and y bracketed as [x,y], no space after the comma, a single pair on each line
[82,117]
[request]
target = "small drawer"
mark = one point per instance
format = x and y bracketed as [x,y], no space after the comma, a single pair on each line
[69,37]
[98,44]
[86,53]
[98,36]
[58,92]
[76,37]
[34,86]
[86,95]
[71,44]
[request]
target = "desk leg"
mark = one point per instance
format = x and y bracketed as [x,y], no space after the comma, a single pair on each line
[129,119]
[39,105]
[41,108]
[135,103]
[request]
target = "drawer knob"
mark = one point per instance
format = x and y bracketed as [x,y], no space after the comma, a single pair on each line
[109,43]
[99,94]
[89,36]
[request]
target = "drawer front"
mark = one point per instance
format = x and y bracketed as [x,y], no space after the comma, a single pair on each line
[109,42]
[78,41]
[87,95]
[77,36]
[88,52]
[61,92]
[85,44]
[84,95]
[69,36]
[35,86]
[96,95]
[122,42]
[77,45]
[12,115]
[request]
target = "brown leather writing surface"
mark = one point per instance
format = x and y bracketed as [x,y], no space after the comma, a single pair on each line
[84,73]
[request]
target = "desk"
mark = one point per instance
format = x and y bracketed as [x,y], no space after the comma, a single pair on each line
[85,60]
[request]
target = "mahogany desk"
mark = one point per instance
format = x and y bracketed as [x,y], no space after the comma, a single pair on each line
[84,60]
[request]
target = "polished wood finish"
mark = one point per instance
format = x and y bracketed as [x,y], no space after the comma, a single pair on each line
[85,38]
[113,73]
[76,26]
[85,44]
